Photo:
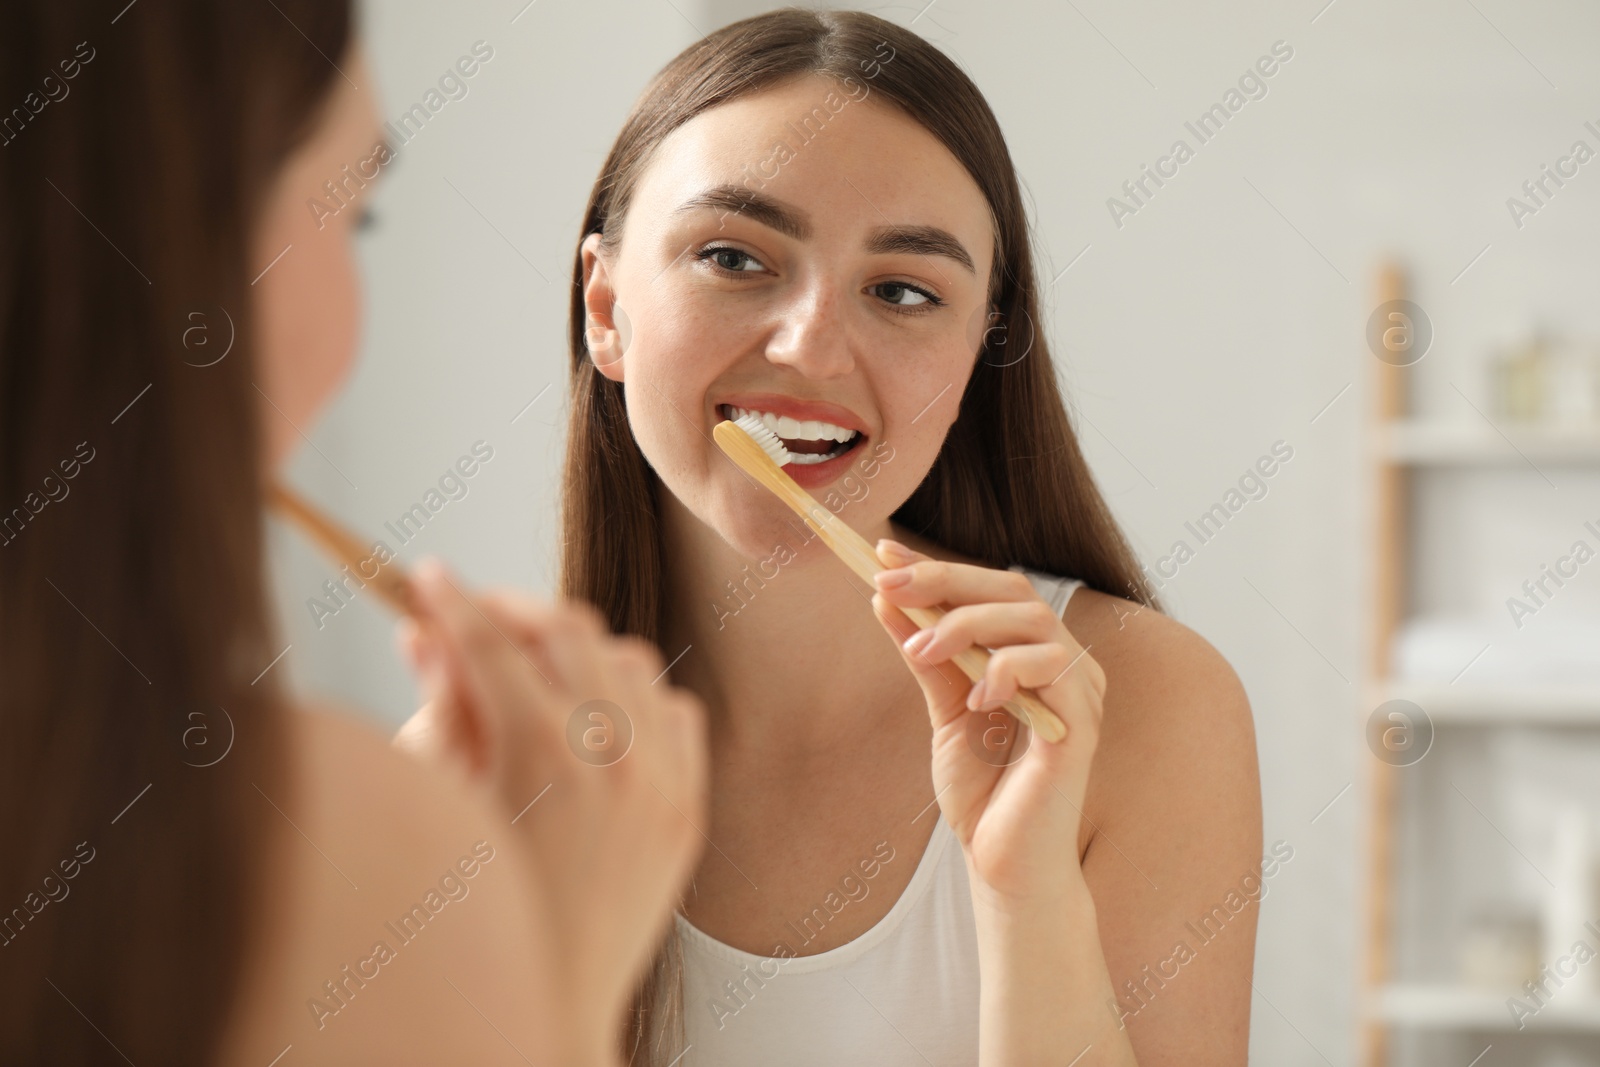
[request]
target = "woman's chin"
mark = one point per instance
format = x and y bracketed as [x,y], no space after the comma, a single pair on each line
[757,532]
[758,541]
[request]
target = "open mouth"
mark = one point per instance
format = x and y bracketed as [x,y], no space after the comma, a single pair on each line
[808,441]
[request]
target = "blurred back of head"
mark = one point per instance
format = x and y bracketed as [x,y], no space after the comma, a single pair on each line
[137,146]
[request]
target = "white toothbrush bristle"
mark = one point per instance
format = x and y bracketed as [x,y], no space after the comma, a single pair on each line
[770,443]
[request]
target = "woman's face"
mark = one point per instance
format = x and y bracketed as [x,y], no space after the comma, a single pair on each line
[308,302]
[810,252]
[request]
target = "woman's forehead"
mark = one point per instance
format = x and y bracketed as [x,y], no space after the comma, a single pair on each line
[827,148]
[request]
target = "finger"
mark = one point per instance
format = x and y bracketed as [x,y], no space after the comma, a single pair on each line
[446,727]
[407,637]
[896,554]
[1050,669]
[935,581]
[528,623]
[436,733]
[994,625]
[570,642]
[637,652]
[574,645]
[491,678]
[943,684]
[512,608]
[670,742]
[626,668]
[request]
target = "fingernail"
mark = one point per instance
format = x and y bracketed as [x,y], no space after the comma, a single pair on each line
[918,641]
[892,579]
[975,698]
[894,549]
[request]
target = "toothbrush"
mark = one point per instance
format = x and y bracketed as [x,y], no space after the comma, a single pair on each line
[760,453]
[391,582]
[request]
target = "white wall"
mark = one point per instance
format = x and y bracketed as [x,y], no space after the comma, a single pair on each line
[1223,316]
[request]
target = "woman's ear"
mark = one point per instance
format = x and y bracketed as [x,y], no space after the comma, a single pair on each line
[603,320]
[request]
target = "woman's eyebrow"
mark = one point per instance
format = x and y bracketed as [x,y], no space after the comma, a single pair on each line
[759,207]
[795,223]
[919,241]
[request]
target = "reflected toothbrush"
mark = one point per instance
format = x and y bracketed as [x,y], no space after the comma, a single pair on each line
[390,580]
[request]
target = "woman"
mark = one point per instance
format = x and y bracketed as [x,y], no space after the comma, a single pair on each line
[194,869]
[814,216]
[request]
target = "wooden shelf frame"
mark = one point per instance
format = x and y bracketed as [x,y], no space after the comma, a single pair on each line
[1402,448]
[1391,520]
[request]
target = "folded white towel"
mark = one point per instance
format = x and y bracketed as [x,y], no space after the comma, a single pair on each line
[1437,648]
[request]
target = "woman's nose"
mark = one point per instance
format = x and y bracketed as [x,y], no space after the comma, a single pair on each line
[812,335]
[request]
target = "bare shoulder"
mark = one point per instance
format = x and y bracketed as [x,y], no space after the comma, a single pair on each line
[1177,728]
[1173,854]
[399,915]
[1162,675]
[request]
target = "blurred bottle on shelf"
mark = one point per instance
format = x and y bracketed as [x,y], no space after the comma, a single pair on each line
[1499,947]
[1539,376]
[1519,372]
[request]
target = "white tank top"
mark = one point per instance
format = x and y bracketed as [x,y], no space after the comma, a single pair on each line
[903,993]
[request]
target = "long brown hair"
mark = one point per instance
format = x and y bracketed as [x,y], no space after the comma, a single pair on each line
[1010,484]
[136,152]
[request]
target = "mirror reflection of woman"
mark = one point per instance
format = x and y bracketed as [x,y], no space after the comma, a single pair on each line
[815,216]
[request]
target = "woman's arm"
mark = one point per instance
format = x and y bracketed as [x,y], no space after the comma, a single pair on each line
[1175,859]
[1162,722]
[1045,986]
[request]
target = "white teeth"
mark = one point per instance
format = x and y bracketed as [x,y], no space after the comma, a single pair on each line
[797,429]
[806,459]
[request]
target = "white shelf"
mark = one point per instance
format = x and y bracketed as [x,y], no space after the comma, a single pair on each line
[1574,705]
[1421,441]
[1447,1007]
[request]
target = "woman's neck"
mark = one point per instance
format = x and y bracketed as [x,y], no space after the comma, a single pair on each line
[785,650]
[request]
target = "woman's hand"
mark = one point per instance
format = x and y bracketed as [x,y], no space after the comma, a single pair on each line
[1015,807]
[598,765]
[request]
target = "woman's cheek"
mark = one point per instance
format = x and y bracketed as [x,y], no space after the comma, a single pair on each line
[308,313]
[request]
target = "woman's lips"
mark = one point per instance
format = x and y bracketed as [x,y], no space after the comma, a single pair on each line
[815,475]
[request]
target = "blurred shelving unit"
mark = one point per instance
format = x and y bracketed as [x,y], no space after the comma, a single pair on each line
[1416,441]
[1447,1007]
[1491,705]
[1402,450]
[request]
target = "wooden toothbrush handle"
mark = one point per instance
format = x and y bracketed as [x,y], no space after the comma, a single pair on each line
[388,579]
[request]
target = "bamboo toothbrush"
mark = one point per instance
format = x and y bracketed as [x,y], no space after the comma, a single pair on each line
[759,452]
[391,582]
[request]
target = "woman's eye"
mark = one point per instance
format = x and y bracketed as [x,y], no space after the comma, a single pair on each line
[733,260]
[903,295]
